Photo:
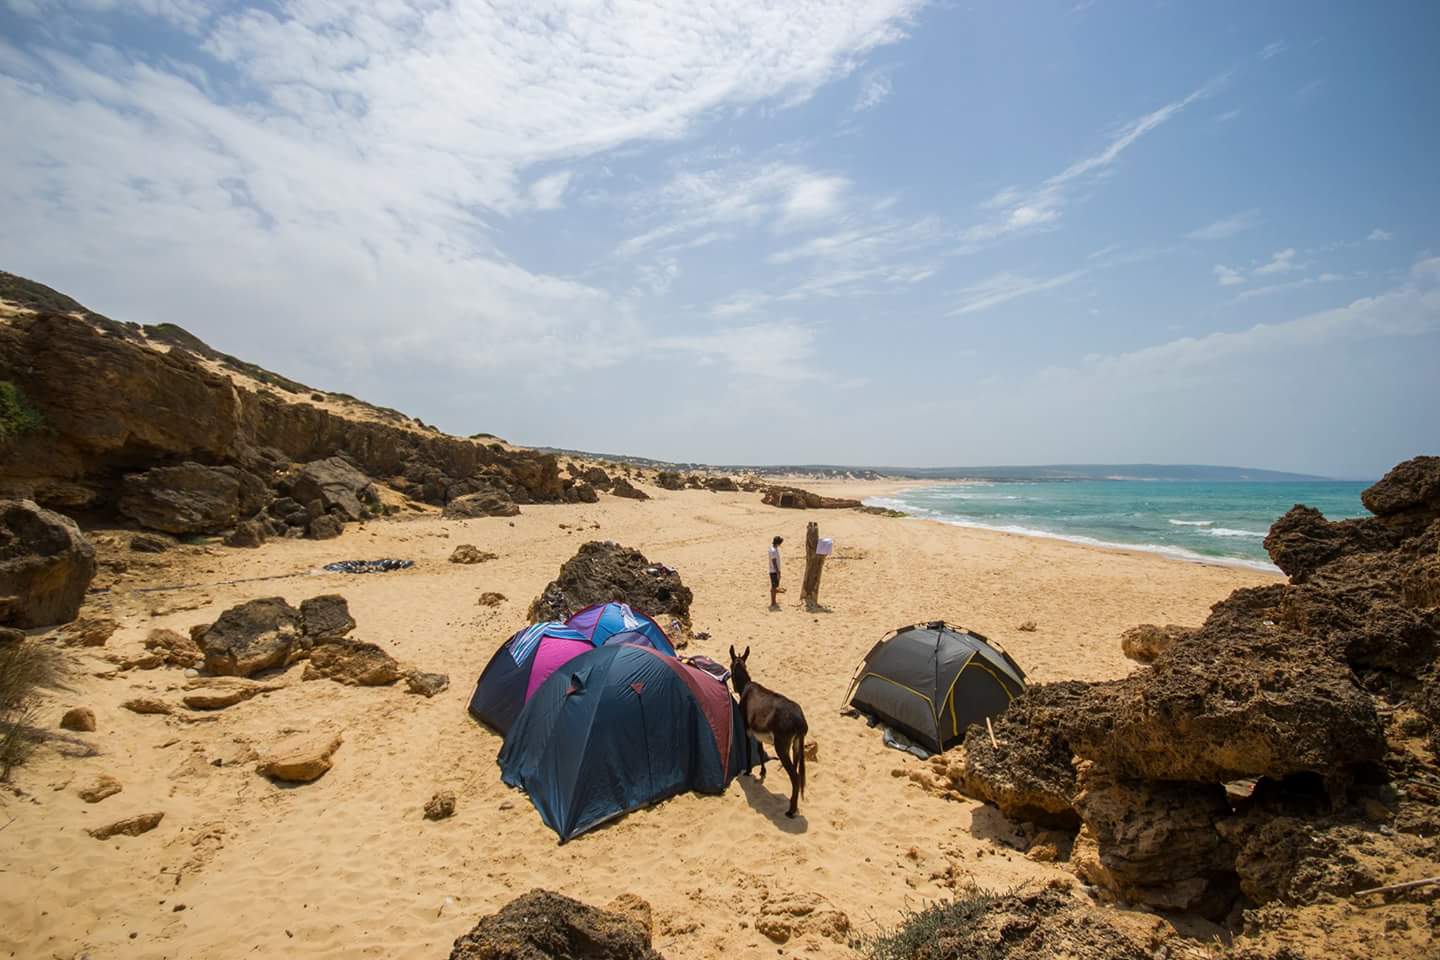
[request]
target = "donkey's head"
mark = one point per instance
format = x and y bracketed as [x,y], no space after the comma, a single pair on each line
[739,676]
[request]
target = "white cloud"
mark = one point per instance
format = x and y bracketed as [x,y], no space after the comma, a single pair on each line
[814,198]
[874,90]
[1227,227]
[1228,115]
[1272,50]
[1004,287]
[1273,288]
[780,351]
[548,192]
[1228,276]
[1282,261]
[1379,234]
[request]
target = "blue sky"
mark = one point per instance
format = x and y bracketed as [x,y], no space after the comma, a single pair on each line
[879,232]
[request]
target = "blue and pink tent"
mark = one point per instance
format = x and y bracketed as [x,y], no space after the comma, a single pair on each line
[605,623]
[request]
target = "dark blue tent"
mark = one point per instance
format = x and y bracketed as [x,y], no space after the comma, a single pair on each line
[618,728]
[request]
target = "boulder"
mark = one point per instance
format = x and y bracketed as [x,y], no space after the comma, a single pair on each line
[289,511]
[585,493]
[256,635]
[173,649]
[248,533]
[338,486]
[325,527]
[191,497]
[46,565]
[440,806]
[129,827]
[353,663]
[150,543]
[542,924]
[1147,641]
[596,477]
[79,719]
[98,787]
[1031,777]
[621,487]
[1411,488]
[469,553]
[669,480]
[426,684]
[489,503]
[325,617]
[600,572]
[300,758]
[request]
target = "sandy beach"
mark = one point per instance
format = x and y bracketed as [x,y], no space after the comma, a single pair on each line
[347,867]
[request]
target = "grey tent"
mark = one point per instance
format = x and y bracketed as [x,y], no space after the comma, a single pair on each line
[931,681]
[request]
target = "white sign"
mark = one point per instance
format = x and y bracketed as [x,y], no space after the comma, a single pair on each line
[824,547]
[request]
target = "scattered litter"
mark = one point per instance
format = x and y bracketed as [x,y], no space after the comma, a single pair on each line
[368,566]
[898,741]
[716,670]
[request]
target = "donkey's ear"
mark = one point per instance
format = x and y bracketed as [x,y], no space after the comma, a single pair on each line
[746,654]
[732,652]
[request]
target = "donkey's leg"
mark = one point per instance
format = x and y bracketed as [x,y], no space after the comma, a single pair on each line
[783,748]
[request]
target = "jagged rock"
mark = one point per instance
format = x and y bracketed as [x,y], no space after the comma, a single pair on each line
[600,572]
[289,511]
[621,487]
[1303,541]
[668,480]
[89,632]
[217,693]
[1031,777]
[173,649]
[1411,488]
[353,663]
[79,719]
[585,493]
[149,705]
[1297,860]
[300,758]
[596,477]
[541,924]
[1157,842]
[440,806]
[426,684]
[98,787]
[490,503]
[191,497]
[248,533]
[46,565]
[796,499]
[1147,641]
[325,527]
[326,617]
[256,635]
[150,543]
[129,827]
[491,599]
[336,484]
[469,553]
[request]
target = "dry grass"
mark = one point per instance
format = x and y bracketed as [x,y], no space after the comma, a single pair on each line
[26,667]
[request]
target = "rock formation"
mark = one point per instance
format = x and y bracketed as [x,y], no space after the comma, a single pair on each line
[489,503]
[1311,697]
[129,827]
[796,499]
[256,635]
[300,758]
[542,924]
[601,572]
[191,497]
[46,565]
[352,662]
[1147,641]
[621,487]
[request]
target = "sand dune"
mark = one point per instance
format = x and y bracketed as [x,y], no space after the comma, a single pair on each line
[347,867]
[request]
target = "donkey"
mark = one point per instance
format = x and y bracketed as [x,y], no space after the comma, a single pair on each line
[774,718]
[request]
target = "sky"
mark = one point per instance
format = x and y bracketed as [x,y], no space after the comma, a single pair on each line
[876,232]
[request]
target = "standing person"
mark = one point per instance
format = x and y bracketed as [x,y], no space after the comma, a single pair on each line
[775,571]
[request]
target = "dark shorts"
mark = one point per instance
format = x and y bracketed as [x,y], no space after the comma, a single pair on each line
[774,579]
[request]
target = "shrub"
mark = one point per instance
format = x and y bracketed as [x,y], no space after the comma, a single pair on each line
[25,667]
[940,931]
[17,416]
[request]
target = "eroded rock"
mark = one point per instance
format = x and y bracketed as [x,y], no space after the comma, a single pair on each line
[339,487]
[440,806]
[79,719]
[98,787]
[129,827]
[148,705]
[469,553]
[352,662]
[601,572]
[173,649]
[488,503]
[300,758]
[254,636]
[426,684]
[191,497]
[1031,777]
[46,565]
[1147,641]
[620,487]
[326,617]
[542,924]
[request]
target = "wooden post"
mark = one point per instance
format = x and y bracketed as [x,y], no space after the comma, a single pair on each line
[810,589]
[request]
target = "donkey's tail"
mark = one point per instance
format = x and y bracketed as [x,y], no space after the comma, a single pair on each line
[798,749]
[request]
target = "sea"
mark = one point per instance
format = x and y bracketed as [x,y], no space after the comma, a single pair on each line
[1209,522]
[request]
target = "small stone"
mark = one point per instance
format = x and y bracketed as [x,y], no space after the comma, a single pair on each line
[89,632]
[491,599]
[149,543]
[469,553]
[441,805]
[812,750]
[129,827]
[426,684]
[101,786]
[301,758]
[80,719]
[147,705]
[1027,627]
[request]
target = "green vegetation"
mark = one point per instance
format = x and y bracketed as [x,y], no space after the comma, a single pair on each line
[17,415]
[25,667]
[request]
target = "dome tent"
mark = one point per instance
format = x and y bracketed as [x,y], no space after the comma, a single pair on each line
[614,622]
[621,727]
[931,681]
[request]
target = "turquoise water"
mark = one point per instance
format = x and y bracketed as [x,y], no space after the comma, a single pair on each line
[1224,522]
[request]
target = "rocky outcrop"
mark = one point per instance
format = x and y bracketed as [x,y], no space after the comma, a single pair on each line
[794,498]
[489,503]
[46,565]
[1410,491]
[191,497]
[601,572]
[542,924]
[339,488]
[300,758]
[256,635]
[596,477]
[1031,776]
[353,663]
[621,487]
[1147,641]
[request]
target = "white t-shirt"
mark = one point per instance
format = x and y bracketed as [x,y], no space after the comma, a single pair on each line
[774,559]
